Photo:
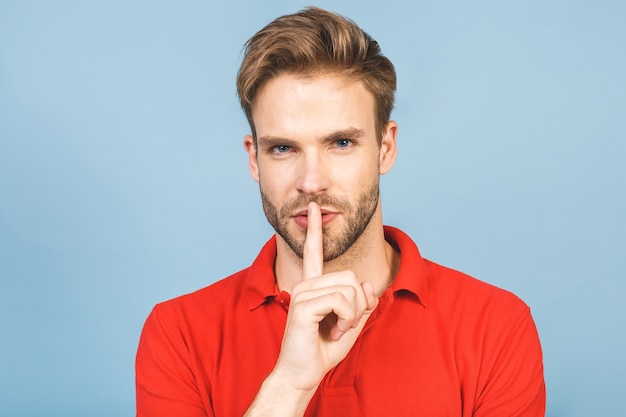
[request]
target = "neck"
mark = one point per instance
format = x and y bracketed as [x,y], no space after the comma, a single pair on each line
[371,258]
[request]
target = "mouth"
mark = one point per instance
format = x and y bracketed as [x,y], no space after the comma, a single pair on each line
[302,217]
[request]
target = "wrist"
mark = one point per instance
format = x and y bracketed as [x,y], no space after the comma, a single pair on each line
[283,382]
[277,397]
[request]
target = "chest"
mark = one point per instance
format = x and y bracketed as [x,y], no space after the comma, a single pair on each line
[402,364]
[399,366]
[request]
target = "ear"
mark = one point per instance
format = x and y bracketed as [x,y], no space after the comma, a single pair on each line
[388,147]
[253,162]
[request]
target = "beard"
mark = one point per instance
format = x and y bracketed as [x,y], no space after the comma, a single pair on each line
[357,218]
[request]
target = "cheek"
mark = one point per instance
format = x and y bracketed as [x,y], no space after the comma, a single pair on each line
[278,174]
[358,175]
[274,185]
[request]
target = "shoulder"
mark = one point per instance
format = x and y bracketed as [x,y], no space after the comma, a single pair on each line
[443,288]
[449,285]
[496,345]
[205,302]
[473,309]
[224,299]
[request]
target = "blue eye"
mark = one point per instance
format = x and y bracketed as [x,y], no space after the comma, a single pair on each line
[342,143]
[282,148]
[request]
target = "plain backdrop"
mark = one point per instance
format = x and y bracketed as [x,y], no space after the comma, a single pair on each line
[123,180]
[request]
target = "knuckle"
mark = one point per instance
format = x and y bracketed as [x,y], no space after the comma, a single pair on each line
[338,297]
[350,274]
[350,292]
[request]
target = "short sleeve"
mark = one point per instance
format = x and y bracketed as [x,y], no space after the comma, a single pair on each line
[513,382]
[165,384]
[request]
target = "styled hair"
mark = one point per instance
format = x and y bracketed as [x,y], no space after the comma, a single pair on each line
[314,41]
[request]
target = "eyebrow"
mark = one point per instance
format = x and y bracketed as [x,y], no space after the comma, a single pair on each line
[350,133]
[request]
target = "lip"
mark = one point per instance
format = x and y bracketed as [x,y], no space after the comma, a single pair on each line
[301,218]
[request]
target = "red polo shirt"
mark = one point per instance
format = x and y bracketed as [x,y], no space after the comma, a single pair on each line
[440,343]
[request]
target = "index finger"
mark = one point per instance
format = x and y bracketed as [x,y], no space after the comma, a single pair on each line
[312,254]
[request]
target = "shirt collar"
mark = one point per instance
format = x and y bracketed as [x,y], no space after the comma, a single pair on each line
[412,274]
[261,281]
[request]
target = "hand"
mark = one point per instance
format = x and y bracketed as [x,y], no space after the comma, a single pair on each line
[326,314]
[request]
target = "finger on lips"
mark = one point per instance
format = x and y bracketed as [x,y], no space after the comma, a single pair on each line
[313,256]
[337,293]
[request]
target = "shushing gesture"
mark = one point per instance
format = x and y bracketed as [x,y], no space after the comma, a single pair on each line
[326,314]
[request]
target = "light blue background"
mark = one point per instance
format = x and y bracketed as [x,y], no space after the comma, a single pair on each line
[123,180]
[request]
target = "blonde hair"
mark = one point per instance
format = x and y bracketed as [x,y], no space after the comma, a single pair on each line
[315,41]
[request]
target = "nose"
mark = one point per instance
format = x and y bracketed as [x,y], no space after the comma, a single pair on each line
[312,173]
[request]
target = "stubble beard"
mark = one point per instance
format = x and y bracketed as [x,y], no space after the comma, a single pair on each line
[357,218]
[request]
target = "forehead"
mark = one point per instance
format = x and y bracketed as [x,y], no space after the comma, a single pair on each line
[294,106]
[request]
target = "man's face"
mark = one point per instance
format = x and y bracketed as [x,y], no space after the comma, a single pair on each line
[316,141]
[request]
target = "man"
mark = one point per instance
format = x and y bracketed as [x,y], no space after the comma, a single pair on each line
[338,315]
